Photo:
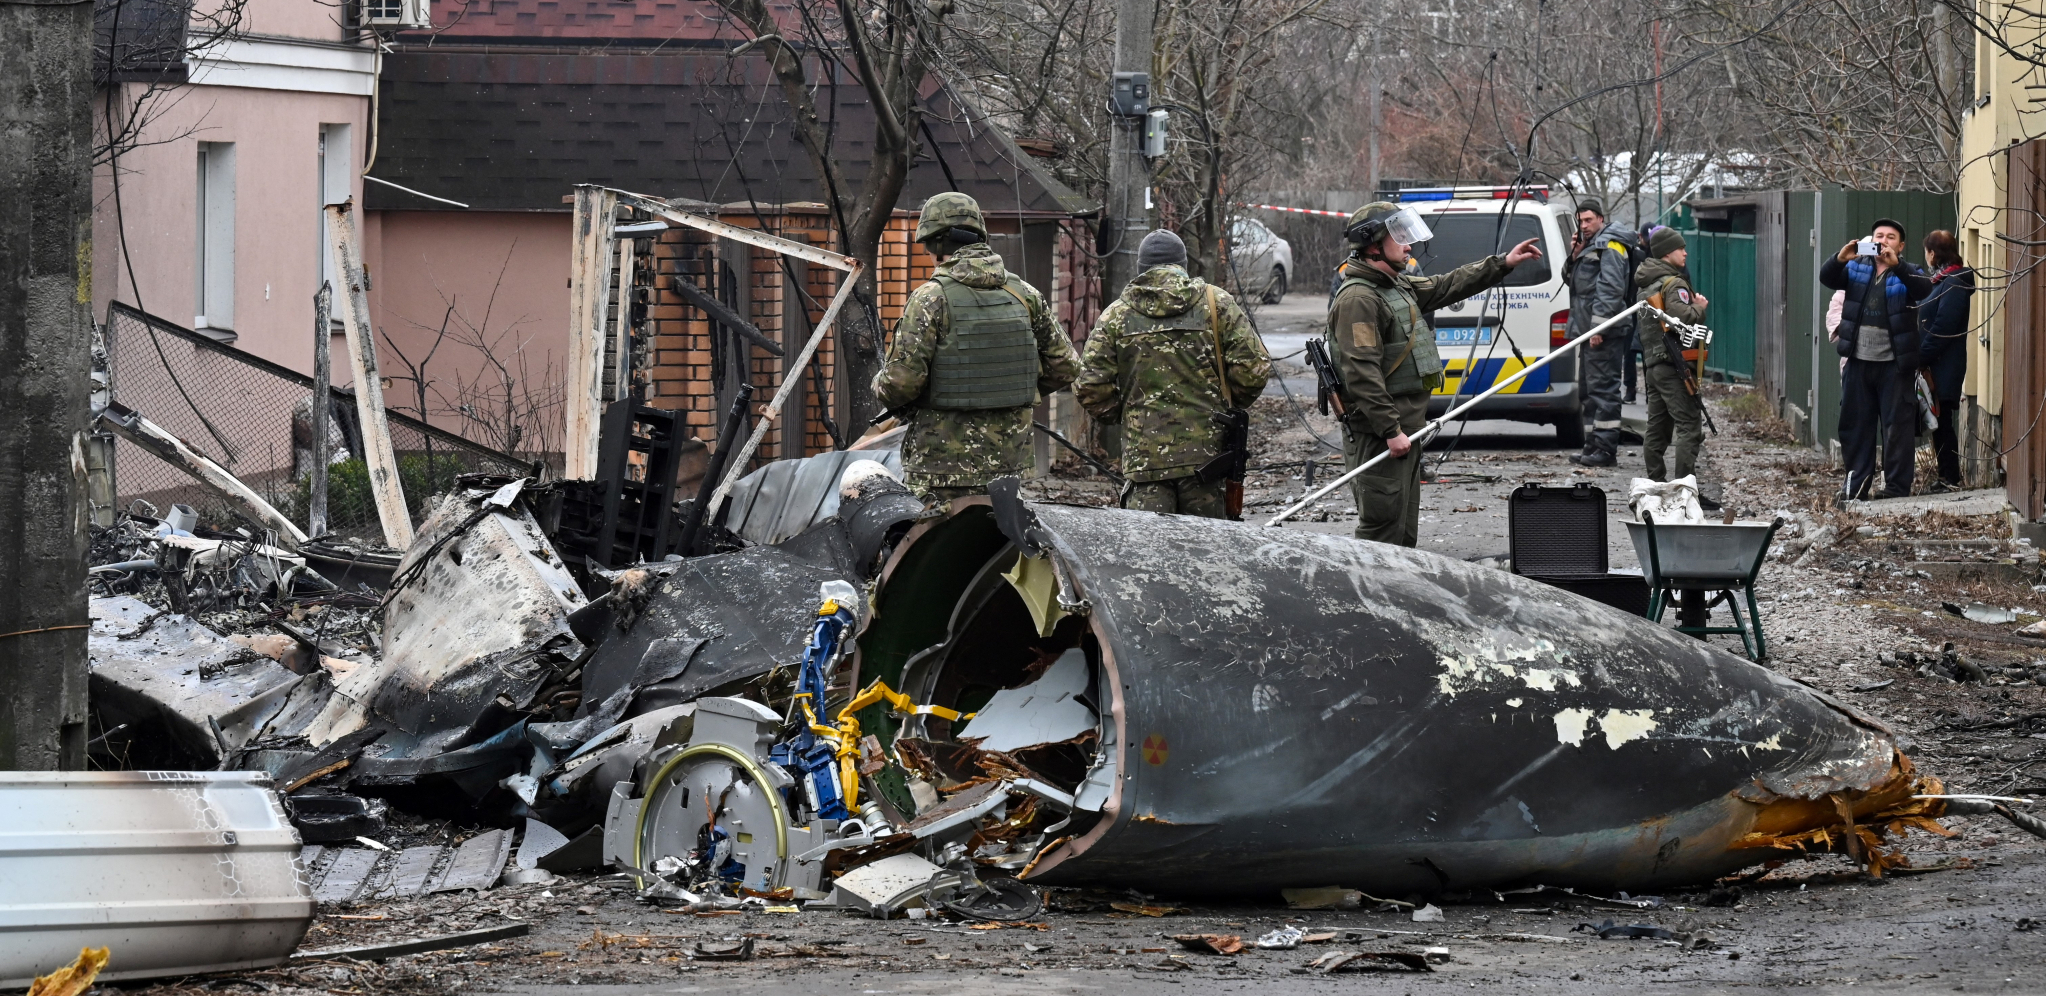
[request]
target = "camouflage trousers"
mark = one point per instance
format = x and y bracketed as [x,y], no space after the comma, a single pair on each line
[1674,414]
[1179,496]
[940,495]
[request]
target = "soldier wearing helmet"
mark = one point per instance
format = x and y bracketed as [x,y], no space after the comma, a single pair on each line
[1386,355]
[975,350]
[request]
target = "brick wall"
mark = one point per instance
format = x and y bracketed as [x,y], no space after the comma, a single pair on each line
[683,353]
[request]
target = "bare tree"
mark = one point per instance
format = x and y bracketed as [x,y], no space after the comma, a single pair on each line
[886,46]
[142,53]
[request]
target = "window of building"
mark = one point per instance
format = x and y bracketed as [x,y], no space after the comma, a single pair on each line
[213,267]
[335,186]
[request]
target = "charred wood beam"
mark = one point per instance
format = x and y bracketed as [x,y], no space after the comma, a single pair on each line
[722,315]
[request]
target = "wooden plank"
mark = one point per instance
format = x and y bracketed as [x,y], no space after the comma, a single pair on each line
[591,236]
[787,247]
[2023,376]
[792,378]
[323,377]
[420,945]
[621,340]
[385,485]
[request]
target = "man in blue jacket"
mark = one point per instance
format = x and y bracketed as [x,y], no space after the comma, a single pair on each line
[1878,336]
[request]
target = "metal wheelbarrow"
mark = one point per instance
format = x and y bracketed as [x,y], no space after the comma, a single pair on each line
[1687,562]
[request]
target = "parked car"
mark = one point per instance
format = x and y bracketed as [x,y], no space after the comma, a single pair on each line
[1260,263]
[1533,305]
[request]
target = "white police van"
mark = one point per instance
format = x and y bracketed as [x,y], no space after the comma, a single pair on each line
[1531,310]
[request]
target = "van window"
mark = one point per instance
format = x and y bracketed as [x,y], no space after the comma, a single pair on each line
[1464,238]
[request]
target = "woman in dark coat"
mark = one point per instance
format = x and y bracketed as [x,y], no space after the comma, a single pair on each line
[1943,346]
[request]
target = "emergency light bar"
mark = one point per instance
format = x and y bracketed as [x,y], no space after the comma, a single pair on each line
[1468,193]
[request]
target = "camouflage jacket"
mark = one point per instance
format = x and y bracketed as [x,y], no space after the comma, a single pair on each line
[1161,383]
[1367,337]
[1661,277]
[965,448]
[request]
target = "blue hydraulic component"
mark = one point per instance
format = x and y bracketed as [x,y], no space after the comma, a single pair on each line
[813,758]
[714,851]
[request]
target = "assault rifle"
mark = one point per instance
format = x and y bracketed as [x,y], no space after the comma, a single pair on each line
[1328,385]
[1687,348]
[1230,464]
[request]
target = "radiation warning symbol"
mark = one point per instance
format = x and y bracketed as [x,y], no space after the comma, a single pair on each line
[1155,749]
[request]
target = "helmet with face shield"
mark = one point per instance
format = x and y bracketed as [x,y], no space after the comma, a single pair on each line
[1375,221]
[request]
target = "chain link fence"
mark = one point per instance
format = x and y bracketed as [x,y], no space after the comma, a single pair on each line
[254,417]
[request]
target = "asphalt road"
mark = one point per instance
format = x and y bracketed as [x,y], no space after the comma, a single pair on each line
[1474,465]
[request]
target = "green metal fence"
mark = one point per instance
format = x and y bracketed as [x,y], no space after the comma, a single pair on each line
[1722,266]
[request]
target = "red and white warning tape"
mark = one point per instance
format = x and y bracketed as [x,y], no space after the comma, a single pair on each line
[1275,207]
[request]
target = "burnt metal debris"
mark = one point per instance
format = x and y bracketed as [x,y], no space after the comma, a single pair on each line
[861,703]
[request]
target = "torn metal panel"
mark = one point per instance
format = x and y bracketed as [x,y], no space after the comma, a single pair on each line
[1051,709]
[786,497]
[477,862]
[133,427]
[166,672]
[479,613]
[1289,709]
[178,872]
[345,874]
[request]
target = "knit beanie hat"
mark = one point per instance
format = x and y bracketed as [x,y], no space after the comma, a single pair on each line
[1664,241]
[1161,248]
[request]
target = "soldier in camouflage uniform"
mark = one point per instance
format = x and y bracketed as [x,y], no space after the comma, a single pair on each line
[1386,355]
[975,350]
[1673,411]
[1150,364]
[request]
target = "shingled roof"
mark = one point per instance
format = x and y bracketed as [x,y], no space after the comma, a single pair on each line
[514,124]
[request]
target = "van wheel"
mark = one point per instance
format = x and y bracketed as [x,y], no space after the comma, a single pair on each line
[1570,433]
[1276,289]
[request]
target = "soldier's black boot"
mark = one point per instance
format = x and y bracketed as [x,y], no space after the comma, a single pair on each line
[1602,449]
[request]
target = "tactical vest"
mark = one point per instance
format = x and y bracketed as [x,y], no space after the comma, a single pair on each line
[1410,345]
[987,357]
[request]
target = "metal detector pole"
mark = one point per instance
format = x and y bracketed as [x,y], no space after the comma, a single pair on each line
[1428,431]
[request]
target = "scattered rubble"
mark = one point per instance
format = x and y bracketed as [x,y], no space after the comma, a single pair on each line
[972,717]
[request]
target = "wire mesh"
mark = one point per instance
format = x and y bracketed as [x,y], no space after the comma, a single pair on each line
[254,417]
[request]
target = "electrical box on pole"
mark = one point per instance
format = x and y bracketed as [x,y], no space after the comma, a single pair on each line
[1130,96]
[1154,132]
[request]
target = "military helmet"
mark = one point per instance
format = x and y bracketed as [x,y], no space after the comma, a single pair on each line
[943,212]
[1376,220]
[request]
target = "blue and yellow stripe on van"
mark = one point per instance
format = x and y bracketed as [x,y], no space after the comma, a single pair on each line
[1487,372]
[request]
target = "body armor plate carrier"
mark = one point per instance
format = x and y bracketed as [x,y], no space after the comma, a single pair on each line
[988,356]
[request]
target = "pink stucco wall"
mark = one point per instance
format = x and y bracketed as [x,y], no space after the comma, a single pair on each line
[276,134]
[505,277]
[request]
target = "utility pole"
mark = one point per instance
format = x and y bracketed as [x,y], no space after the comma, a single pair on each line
[1126,217]
[45,378]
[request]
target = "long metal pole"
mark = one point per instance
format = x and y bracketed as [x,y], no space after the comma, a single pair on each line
[1434,427]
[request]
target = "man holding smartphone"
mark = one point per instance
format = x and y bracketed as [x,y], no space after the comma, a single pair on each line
[1878,337]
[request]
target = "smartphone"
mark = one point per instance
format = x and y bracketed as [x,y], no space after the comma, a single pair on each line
[1866,247]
